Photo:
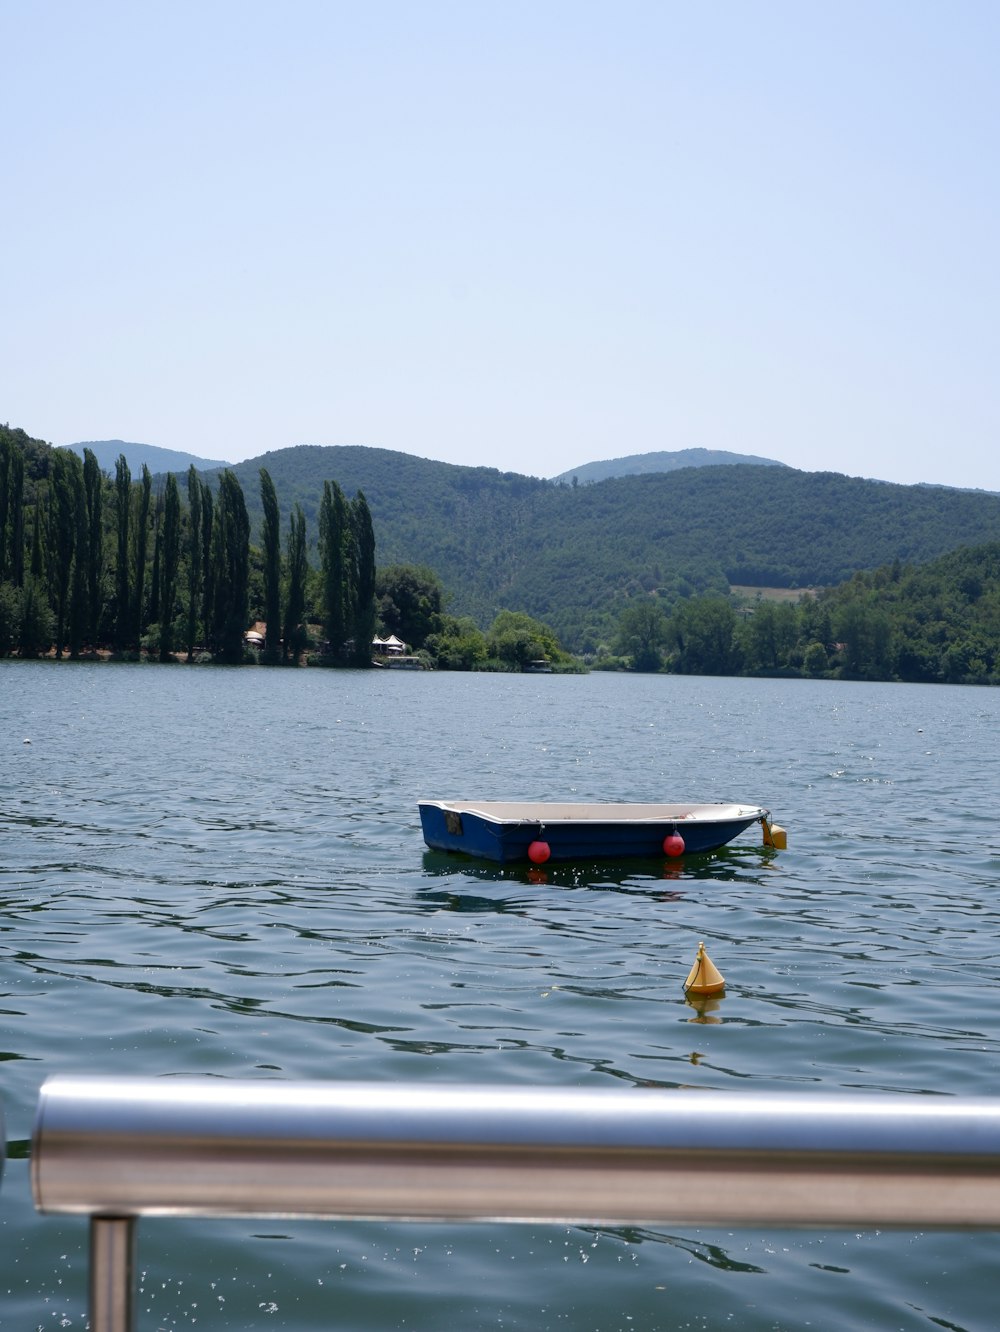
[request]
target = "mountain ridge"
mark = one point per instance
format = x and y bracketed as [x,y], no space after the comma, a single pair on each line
[641,464]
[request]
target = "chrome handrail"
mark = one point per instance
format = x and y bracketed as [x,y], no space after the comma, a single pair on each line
[119,1148]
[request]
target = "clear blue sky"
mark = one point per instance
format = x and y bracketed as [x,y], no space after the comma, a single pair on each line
[525,233]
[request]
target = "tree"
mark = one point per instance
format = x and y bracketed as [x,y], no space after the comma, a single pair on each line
[231,570]
[458,644]
[93,484]
[334,564]
[865,630]
[7,447]
[10,617]
[642,634]
[272,562]
[208,570]
[362,581]
[194,553]
[769,636]
[298,572]
[703,629]
[515,638]
[170,549]
[16,519]
[79,600]
[410,600]
[123,584]
[35,630]
[140,549]
[815,660]
[67,479]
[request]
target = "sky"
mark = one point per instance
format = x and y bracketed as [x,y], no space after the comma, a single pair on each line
[523,234]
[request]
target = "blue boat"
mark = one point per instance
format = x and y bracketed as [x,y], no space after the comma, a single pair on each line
[512,831]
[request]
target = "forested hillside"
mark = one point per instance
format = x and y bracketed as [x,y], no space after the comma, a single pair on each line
[570,557]
[91,565]
[573,556]
[931,623]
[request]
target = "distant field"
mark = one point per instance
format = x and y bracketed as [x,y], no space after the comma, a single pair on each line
[793,594]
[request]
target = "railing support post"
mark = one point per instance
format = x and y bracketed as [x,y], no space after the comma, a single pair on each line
[112,1272]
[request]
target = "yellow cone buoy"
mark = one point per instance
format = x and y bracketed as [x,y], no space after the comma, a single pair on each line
[774,835]
[704,977]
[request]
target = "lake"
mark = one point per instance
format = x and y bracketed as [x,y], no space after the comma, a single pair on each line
[212,871]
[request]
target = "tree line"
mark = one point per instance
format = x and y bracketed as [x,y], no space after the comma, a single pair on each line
[931,623]
[93,563]
[571,557]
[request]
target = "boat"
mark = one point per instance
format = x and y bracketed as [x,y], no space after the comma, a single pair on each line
[512,831]
[541,666]
[403,664]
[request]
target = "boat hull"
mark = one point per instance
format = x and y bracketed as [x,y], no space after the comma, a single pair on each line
[503,831]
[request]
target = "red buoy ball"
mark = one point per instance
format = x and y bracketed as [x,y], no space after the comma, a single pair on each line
[539,852]
[673,844]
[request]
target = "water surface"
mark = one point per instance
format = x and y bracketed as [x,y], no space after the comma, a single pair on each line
[210,871]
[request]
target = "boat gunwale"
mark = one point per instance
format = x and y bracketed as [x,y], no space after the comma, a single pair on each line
[488,812]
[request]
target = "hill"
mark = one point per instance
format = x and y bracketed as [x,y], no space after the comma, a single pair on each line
[574,555]
[640,464]
[106,451]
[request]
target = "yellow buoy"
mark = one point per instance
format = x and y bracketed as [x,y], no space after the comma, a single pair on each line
[774,835]
[704,977]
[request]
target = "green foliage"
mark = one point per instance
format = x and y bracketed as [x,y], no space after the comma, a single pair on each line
[36,627]
[295,635]
[123,583]
[231,563]
[704,633]
[516,639]
[10,618]
[642,634]
[574,557]
[410,599]
[334,539]
[895,598]
[194,559]
[362,581]
[458,644]
[170,551]
[140,550]
[272,560]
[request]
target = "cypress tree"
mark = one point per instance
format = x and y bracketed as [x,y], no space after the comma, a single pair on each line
[38,535]
[140,547]
[231,569]
[66,480]
[169,564]
[7,447]
[272,561]
[207,570]
[153,605]
[363,580]
[16,519]
[298,570]
[333,541]
[194,557]
[79,600]
[93,484]
[123,584]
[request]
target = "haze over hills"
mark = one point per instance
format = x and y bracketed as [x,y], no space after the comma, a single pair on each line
[157,459]
[642,463]
[107,452]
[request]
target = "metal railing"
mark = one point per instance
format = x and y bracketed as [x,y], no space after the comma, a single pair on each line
[118,1149]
